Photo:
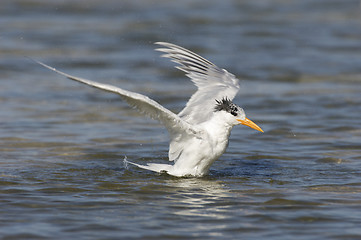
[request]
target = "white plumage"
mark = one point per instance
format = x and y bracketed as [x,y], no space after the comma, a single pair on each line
[199,133]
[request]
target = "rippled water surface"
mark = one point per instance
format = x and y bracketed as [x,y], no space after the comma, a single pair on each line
[62,144]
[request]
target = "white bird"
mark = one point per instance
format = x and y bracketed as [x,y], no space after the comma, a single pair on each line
[199,133]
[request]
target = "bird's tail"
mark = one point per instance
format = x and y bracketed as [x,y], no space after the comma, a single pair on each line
[155,167]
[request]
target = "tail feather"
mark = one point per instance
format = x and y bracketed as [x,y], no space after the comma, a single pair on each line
[155,167]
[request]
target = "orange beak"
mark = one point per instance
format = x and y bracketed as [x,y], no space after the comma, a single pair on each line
[250,124]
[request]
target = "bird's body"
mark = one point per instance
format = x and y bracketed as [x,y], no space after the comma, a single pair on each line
[199,133]
[193,155]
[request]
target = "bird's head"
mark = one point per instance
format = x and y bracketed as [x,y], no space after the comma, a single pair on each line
[234,114]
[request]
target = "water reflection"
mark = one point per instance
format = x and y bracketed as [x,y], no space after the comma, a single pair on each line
[200,197]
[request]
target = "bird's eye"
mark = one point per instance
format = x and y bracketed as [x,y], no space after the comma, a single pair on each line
[234,111]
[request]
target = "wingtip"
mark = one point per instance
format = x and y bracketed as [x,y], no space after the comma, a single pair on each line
[167,45]
[32,59]
[42,64]
[161,43]
[164,46]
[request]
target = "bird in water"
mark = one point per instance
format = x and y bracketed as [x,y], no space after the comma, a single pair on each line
[199,133]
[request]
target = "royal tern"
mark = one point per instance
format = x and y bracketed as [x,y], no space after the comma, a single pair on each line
[199,133]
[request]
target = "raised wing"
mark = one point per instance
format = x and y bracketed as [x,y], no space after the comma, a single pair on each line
[212,82]
[174,124]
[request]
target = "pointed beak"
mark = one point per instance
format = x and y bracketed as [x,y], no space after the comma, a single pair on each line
[250,124]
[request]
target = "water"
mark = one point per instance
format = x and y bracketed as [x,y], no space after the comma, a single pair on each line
[62,144]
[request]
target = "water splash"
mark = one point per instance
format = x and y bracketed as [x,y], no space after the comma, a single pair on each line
[125,162]
[293,133]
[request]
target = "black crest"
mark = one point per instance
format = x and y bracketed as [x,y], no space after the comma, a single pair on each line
[226,105]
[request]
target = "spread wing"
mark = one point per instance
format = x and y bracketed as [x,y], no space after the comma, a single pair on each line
[174,124]
[212,82]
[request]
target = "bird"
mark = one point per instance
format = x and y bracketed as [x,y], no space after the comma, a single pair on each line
[199,134]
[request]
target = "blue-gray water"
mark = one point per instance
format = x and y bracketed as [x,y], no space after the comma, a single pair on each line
[62,144]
